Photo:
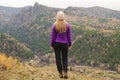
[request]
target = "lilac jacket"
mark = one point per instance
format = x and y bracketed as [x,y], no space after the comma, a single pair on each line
[65,37]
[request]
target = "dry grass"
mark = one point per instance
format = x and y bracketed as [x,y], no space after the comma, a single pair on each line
[16,71]
[50,73]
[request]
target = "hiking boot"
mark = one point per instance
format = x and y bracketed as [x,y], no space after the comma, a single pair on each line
[65,75]
[60,75]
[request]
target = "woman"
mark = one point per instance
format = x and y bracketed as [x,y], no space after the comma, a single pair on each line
[61,41]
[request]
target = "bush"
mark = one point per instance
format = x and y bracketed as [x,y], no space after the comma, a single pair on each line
[7,63]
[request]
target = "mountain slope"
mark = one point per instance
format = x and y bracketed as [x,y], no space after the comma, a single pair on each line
[11,46]
[37,20]
[104,12]
[95,48]
[9,10]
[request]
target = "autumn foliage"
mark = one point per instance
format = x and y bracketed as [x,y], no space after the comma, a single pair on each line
[7,63]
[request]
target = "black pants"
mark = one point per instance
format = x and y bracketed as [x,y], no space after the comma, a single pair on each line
[61,55]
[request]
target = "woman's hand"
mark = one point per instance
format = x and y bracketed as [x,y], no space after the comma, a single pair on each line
[51,48]
[69,47]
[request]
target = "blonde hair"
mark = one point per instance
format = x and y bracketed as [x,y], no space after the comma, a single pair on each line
[60,23]
[60,26]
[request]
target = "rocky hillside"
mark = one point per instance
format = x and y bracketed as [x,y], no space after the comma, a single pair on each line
[9,10]
[104,12]
[37,20]
[11,46]
[96,48]
[96,17]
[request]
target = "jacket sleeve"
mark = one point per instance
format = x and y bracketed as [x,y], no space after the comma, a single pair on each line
[69,35]
[52,35]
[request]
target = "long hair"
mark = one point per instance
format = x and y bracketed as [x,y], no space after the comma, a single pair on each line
[60,26]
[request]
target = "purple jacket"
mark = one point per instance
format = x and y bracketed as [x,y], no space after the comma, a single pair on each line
[65,37]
